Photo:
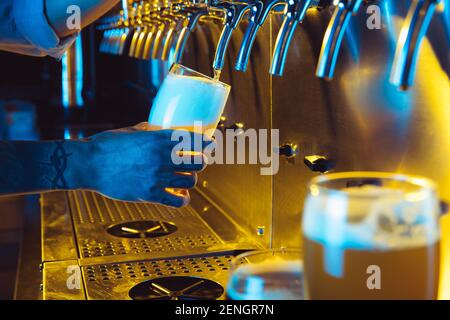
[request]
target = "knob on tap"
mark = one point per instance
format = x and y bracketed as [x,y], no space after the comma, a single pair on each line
[344,9]
[318,163]
[411,35]
[295,12]
[259,12]
[234,12]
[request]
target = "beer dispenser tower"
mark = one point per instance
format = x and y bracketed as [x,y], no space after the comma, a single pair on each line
[351,85]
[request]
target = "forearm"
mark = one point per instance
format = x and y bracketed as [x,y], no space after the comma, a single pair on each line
[29,167]
[91,10]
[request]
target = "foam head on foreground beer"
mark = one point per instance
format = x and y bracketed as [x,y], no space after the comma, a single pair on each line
[346,234]
[273,279]
[183,100]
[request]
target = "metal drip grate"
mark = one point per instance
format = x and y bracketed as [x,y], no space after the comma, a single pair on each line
[157,268]
[107,228]
[94,208]
[139,246]
[115,280]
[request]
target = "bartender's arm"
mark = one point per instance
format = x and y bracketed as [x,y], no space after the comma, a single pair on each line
[91,10]
[130,164]
[41,28]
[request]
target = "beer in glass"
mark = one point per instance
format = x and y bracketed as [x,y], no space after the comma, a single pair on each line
[187,98]
[371,236]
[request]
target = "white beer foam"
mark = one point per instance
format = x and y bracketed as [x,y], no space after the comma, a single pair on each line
[375,218]
[182,100]
[259,278]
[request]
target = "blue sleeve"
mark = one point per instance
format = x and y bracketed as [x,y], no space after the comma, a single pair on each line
[27,30]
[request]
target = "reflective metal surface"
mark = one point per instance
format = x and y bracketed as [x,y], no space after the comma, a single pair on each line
[58,242]
[87,232]
[114,281]
[55,281]
[357,121]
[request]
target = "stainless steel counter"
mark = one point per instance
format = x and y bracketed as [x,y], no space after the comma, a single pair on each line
[98,240]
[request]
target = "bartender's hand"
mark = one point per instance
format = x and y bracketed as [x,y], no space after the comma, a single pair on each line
[131,164]
[135,164]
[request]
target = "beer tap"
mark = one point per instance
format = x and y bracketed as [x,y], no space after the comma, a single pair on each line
[108,27]
[192,13]
[139,31]
[157,30]
[411,35]
[176,24]
[148,28]
[122,34]
[146,38]
[145,52]
[164,26]
[114,28]
[259,12]
[124,12]
[344,9]
[233,12]
[295,12]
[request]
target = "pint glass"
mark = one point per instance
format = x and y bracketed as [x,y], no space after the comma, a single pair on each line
[188,100]
[371,236]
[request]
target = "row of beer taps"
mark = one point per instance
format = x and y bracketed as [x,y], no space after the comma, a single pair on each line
[159,29]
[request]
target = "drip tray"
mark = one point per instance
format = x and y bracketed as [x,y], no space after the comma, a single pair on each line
[129,250]
[188,278]
[108,231]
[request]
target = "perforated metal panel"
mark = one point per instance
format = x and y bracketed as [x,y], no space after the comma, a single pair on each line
[113,281]
[94,214]
[188,244]
[89,207]
[142,246]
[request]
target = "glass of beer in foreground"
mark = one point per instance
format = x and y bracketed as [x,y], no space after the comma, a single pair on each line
[266,275]
[371,236]
[187,98]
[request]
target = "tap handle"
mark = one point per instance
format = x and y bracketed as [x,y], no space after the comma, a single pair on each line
[125,9]
[411,35]
[295,13]
[123,37]
[157,41]
[259,13]
[134,41]
[105,39]
[146,52]
[233,15]
[333,37]
[246,46]
[222,45]
[167,44]
[282,45]
[140,43]
[181,43]
[193,15]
